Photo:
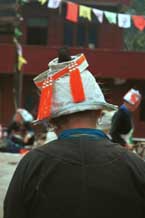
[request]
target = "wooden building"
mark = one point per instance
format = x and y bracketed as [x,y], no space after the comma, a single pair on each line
[45,30]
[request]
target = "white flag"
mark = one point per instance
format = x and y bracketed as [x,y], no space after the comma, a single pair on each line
[18,47]
[53,3]
[99,14]
[124,20]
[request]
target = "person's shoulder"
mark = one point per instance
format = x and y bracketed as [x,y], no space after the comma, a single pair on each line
[133,157]
[44,150]
[135,163]
[129,158]
[34,158]
[115,148]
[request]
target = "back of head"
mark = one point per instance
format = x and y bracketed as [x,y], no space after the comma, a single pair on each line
[82,119]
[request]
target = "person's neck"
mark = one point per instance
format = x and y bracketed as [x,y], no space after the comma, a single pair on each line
[80,125]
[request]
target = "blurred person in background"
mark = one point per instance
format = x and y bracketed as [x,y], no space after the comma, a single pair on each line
[104,122]
[20,132]
[122,126]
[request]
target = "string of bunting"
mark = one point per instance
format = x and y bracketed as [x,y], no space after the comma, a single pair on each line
[74,11]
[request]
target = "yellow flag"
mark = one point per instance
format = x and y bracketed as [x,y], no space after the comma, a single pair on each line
[42,1]
[21,61]
[85,12]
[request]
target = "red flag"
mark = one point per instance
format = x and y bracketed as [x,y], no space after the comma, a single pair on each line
[72,12]
[139,22]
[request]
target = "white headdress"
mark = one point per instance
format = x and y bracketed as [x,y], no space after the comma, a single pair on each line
[67,88]
[132,96]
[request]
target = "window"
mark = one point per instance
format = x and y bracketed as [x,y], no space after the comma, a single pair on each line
[68,33]
[92,35]
[81,34]
[37,31]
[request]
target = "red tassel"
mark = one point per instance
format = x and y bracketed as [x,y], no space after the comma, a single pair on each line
[76,86]
[44,110]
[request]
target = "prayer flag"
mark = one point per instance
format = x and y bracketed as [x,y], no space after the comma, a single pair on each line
[111,17]
[42,1]
[85,12]
[72,12]
[18,47]
[21,62]
[24,1]
[139,22]
[53,4]
[99,14]
[17,32]
[124,20]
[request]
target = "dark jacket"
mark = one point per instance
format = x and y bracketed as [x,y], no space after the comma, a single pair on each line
[77,177]
[122,123]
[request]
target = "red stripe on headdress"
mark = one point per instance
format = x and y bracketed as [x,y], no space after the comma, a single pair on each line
[44,110]
[76,86]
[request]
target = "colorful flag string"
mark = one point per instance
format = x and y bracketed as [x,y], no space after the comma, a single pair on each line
[74,11]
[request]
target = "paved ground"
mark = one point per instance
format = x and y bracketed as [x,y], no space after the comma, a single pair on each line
[8,163]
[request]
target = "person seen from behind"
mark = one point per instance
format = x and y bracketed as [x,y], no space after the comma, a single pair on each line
[122,126]
[81,174]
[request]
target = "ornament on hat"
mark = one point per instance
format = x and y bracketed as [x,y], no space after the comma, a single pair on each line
[132,96]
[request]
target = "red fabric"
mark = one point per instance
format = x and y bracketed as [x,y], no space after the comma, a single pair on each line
[76,86]
[44,109]
[139,22]
[24,151]
[72,12]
